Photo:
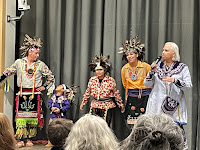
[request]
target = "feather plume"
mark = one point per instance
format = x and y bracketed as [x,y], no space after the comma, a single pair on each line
[133,45]
[29,43]
[103,60]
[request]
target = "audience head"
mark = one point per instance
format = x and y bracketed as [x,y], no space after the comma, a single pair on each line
[154,132]
[58,131]
[91,133]
[7,140]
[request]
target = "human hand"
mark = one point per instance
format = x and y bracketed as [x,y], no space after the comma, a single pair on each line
[57,110]
[153,66]
[53,109]
[122,109]
[81,106]
[168,79]
[41,88]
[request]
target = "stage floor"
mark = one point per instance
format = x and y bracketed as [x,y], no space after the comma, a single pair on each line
[38,147]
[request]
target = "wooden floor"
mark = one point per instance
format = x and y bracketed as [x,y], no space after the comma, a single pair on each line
[36,147]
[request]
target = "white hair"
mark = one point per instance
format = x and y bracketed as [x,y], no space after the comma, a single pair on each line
[91,133]
[175,49]
[154,132]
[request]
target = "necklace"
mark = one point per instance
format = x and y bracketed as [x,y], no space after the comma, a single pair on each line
[99,89]
[167,69]
[30,72]
[133,75]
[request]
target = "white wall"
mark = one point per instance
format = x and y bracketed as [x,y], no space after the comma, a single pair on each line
[10,56]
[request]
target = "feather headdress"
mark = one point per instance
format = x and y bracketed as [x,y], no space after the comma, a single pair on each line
[29,43]
[72,92]
[100,60]
[133,45]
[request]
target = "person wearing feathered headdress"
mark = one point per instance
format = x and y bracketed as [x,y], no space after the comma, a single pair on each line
[102,88]
[133,73]
[29,72]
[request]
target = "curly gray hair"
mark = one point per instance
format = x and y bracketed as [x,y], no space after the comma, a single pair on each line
[91,133]
[154,132]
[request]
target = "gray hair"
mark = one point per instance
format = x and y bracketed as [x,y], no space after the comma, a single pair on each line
[154,132]
[91,133]
[175,49]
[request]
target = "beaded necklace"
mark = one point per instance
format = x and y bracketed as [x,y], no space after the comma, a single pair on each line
[30,72]
[167,69]
[133,74]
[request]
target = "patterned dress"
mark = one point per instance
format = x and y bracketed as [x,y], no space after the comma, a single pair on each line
[103,94]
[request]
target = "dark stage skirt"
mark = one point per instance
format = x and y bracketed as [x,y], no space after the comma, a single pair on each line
[106,114]
[135,107]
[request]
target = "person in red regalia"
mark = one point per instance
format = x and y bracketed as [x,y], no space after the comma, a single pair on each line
[102,89]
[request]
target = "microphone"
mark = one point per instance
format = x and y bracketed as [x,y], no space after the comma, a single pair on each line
[157,61]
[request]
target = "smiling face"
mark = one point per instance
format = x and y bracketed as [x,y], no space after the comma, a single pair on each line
[100,73]
[167,53]
[132,57]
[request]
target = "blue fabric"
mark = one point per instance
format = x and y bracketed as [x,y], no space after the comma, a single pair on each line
[65,106]
[135,92]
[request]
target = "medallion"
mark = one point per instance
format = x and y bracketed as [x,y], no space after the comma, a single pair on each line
[30,71]
[133,76]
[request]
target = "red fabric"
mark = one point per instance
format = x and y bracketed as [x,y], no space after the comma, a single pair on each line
[40,142]
[105,89]
[40,121]
[28,90]
[17,102]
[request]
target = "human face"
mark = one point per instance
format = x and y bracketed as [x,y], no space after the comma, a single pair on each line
[100,73]
[34,53]
[167,53]
[131,57]
[59,88]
